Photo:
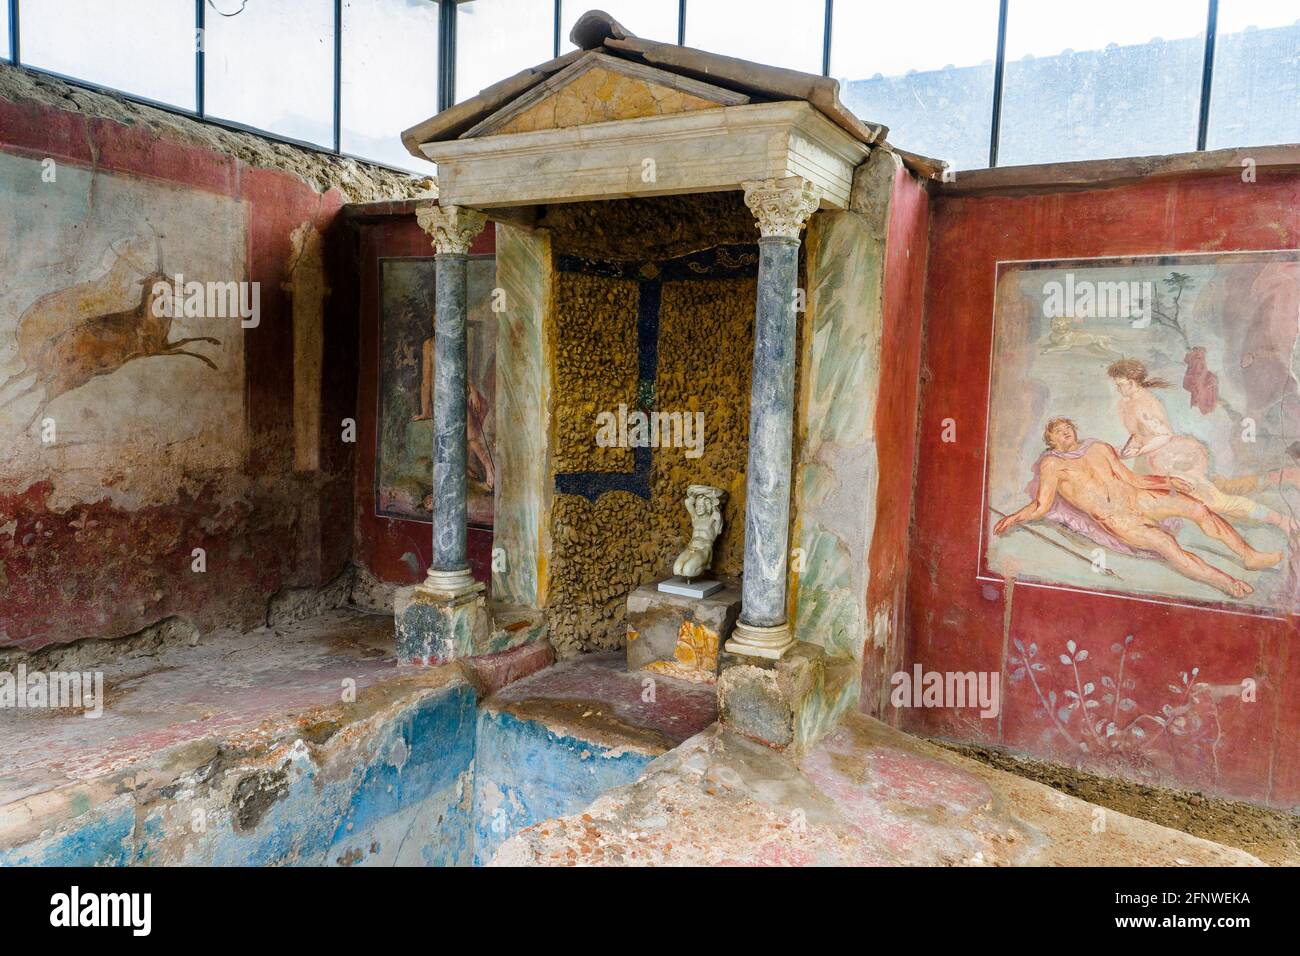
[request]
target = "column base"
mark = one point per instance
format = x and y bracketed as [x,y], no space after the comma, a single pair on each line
[787,704]
[435,626]
[451,584]
[770,643]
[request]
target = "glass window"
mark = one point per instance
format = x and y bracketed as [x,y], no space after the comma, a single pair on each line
[1256,96]
[648,19]
[4,31]
[929,80]
[774,32]
[1099,80]
[495,39]
[271,66]
[390,77]
[142,47]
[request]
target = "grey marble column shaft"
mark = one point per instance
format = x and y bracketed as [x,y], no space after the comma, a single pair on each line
[450,512]
[781,206]
[771,421]
[452,229]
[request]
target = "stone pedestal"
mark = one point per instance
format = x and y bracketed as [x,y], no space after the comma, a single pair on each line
[434,627]
[787,703]
[676,635]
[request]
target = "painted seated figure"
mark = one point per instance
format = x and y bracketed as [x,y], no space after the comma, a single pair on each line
[1153,442]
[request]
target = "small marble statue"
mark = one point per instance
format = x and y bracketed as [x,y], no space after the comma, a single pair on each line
[704,505]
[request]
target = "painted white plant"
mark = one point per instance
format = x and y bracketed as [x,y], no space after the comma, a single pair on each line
[1102,717]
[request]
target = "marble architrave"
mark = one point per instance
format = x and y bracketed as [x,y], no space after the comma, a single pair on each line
[703,150]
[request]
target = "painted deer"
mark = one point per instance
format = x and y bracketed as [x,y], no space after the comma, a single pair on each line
[67,337]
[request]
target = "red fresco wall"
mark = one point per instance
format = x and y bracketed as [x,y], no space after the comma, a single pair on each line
[956,623]
[95,570]
[906,254]
[394,550]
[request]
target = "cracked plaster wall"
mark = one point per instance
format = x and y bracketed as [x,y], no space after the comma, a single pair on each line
[97,537]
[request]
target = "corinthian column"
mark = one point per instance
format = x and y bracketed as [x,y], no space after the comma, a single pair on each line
[453,228]
[781,206]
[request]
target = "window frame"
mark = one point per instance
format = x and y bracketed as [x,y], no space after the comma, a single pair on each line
[447,71]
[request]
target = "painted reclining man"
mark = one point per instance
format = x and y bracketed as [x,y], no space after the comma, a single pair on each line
[1085,486]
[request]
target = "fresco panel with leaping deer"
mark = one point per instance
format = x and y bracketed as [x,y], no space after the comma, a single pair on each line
[92,353]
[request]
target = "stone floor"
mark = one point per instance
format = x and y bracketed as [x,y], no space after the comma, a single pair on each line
[222,687]
[581,762]
[595,697]
[301,744]
[866,795]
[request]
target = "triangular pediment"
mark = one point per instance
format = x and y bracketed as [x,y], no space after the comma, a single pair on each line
[599,88]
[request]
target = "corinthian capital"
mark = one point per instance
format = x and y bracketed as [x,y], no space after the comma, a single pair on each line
[453,228]
[781,206]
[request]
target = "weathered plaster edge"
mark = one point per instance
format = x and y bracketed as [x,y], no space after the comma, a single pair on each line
[337,727]
[356,180]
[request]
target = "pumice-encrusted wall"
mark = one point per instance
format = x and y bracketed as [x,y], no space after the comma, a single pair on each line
[665,227]
[595,366]
[652,310]
[706,341]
